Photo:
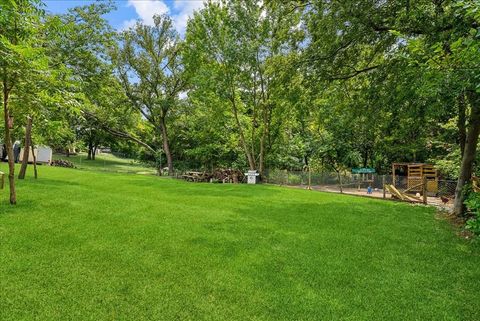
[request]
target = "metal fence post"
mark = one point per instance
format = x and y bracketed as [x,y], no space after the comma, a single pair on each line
[309,178]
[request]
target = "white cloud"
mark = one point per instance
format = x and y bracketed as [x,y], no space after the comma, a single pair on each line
[180,11]
[185,10]
[146,9]
[127,24]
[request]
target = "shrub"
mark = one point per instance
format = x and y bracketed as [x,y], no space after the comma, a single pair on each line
[294,179]
[473,204]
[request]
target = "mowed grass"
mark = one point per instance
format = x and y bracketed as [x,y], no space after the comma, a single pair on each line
[84,245]
[107,162]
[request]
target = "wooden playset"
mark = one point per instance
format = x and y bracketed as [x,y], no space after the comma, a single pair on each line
[416,174]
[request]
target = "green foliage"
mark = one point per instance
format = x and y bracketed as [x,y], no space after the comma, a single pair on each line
[139,247]
[472,201]
[246,49]
[294,179]
[267,85]
[149,67]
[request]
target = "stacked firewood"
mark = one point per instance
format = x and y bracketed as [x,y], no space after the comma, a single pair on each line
[62,163]
[228,175]
[197,176]
[218,176]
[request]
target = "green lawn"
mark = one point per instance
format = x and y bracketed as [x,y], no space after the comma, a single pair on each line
[84,245]
[107,162]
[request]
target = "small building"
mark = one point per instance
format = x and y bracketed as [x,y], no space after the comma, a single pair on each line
[416,173]
[43,154]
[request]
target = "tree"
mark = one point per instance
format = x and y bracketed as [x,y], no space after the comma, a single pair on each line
[240,46]
[20,57]
[447,45]
[438,37]
[148,62]
[82,45]
[26,148]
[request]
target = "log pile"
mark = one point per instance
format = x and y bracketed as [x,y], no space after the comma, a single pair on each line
[62,163]
[219,176]
[228,175]
[197,176]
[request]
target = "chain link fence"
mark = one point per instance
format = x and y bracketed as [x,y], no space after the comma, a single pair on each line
[434,192]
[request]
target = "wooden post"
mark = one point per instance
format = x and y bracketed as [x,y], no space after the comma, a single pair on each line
[424,190]
[393,174]
[383,186]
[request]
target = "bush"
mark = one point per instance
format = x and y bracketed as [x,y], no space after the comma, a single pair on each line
[473,204]
[294,179]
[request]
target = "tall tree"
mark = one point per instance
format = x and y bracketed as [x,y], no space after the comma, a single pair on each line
[440,37]
[239,45]
[20,57]
[149,66]
[82,45]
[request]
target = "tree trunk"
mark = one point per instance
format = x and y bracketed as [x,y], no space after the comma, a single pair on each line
[339,175]
[265,117]
[94,152]
[251,160]
[265,132]
[34,159]
[90,148]
[365,157]
[26,148]
[261,165]
[8,144]
[166,146]
[462,131]
[261,160]
[468,156]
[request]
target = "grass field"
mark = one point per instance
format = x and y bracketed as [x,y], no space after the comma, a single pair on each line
[86,245]
[107,162]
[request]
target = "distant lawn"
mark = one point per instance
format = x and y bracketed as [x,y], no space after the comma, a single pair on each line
[107,162]
[84,245]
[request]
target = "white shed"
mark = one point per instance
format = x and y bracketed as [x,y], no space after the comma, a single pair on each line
[43,153]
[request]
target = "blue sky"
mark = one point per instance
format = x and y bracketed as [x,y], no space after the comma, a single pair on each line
[128,11]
